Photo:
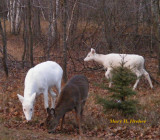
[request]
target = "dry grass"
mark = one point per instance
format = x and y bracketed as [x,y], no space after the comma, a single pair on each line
[95,122]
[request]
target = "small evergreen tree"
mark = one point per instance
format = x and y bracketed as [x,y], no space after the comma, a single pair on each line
[122,78]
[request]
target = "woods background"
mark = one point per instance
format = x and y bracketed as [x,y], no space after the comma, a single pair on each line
[33,31]
[65,26]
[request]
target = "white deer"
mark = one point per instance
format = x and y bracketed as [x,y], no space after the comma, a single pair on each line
[109,61]
[40,79]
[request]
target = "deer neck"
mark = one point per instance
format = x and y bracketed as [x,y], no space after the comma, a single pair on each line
[99,58]
[60,113]
[29,90]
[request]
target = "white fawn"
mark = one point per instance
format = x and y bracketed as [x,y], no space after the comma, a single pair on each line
[109,61]
[40,79]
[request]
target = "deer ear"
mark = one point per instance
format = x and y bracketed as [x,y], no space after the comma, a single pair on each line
[93,51]
[52,111]
[21,98]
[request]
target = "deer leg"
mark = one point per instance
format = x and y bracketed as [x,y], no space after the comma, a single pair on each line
[135,85]
[62,122]
[109,76]
[138,74]
[78,118]
[83,103]
[58,87]
[145,73]
[53,99]
[45,99]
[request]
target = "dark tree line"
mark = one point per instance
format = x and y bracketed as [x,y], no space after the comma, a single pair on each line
[120,26]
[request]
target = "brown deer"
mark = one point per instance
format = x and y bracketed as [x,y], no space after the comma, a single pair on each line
[73,96]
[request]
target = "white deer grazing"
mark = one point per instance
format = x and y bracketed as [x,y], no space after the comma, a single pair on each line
[109,61]
[40,79]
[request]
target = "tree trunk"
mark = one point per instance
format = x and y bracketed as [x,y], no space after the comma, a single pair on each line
[14,15]
[27,35]
[25,38]
[151,27]
[30,31]
[159,49]
[137,17]
[18,17]
[64,40]
[158,30]
[36,22]
[4,41]
[72,27]
[107,27]
[52,31]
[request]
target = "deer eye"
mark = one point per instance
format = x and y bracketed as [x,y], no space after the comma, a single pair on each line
[24,109]
[31,109]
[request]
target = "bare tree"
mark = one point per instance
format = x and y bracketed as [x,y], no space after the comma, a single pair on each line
[52,31]
[29,16]
[72,26]
[64,40]
[4,41]
[14,15]
[36,26]
[156,11]
[28,35]
[108,25]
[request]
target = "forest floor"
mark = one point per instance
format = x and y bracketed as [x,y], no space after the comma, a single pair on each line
[95,125]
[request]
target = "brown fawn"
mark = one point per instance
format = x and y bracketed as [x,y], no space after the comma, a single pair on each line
[73,96]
